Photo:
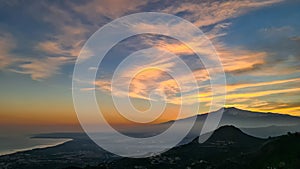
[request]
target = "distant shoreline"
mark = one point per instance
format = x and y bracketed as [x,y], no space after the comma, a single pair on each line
[60,141]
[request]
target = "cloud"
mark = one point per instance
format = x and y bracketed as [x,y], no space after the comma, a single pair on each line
[243,95]
[295,38]
[152,74]
[60,47]
[257,94]
[40,69]
[235,60]
[212,12]
[280,32]
[70,33]
[257,104]
[109,8]
[72,26]
[239,61]
[235,87]
[104,85]
[280,42]
[269,106]
[285,65]
[7,44]
[235,97]
[53,50]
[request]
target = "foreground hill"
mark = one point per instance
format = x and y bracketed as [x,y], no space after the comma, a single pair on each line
[281,152]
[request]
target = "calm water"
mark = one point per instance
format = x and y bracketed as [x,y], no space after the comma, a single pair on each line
[13,143]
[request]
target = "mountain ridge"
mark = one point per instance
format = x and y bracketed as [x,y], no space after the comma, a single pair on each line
[227,110]
[243,119]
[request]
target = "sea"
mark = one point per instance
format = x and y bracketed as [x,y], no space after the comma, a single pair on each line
[10,144]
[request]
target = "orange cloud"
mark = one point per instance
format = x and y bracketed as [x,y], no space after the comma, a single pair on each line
[257,104]
[251,99]
[238,60]
[234,87]
[211,12]
[260,93]
[109,8]
[234,60]
[151,74]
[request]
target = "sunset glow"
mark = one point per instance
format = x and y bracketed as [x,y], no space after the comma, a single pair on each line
[257,43]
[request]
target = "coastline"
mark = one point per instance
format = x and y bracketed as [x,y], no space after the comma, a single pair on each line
[60,141]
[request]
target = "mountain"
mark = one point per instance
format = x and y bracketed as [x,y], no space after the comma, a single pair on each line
[249,119]
[257,124]
[227,148]
[254,123]
[271,131]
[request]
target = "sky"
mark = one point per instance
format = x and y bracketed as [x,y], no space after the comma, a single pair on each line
[258,43]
